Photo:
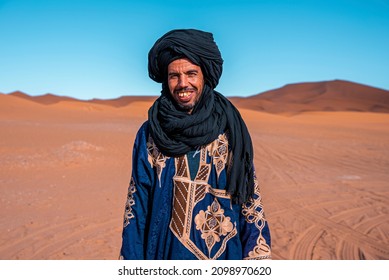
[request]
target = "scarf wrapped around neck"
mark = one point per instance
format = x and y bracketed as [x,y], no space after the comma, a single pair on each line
[176,132]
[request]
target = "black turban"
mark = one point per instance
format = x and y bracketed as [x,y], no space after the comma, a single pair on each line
[175,132]
[198,46]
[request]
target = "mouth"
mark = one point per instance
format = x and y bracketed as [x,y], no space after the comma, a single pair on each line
[184,96]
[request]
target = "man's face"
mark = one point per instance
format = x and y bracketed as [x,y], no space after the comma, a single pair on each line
[186,83]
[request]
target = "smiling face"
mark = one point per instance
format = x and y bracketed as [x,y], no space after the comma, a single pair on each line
[186,83]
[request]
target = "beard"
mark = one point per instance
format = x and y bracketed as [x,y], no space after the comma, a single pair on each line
[187,107]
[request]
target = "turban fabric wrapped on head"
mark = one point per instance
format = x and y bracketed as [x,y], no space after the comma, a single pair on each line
[175,132]
[198,46]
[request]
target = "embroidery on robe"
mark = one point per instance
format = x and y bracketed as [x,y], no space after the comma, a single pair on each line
[218,149]
[155,157]
[128,215]
[213,224]
[187,194]
[253,216]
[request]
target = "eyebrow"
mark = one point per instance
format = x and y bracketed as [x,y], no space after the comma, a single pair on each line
[186,72]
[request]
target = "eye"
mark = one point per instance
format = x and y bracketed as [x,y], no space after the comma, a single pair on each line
[192,74]
[173,76]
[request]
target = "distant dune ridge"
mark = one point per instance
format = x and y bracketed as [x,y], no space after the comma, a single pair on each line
[45,99]
[321,153]
[334,95]
[49,98]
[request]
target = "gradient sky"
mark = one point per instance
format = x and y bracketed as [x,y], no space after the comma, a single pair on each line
[92,48]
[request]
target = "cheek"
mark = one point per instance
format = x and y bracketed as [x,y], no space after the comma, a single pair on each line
[200,85]
[195,82]
[172,86]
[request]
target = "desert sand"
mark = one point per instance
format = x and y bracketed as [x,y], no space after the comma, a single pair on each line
[65,167]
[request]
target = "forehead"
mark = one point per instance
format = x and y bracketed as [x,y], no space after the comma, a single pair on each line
[182,65]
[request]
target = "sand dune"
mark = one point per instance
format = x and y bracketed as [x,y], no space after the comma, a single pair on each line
[335,95]
[330,96]
[124,100]
[65,167]
[48,99]
[43,99]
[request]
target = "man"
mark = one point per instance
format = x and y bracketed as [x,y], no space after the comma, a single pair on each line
[193,192]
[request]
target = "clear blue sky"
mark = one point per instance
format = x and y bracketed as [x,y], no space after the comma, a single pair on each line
[92,48]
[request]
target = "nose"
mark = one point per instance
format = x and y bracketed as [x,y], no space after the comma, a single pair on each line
[183,81]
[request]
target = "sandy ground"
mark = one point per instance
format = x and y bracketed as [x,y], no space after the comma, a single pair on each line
[65,167]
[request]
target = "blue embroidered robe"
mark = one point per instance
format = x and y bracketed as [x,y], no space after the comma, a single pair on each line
[177,208]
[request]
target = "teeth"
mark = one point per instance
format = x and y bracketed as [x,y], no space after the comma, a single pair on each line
[182,94]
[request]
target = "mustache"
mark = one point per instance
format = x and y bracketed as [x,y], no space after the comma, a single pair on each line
[185,89]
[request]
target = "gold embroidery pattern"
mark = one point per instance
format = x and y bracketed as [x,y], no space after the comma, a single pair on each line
[261,250]
[182,169]
[178,221]
[155,157]
[203,173]
[186,195]
[219,152]
[253,216]
[128,215]
[212,223]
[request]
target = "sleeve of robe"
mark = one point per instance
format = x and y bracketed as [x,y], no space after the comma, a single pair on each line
[255,234]
[135,215]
